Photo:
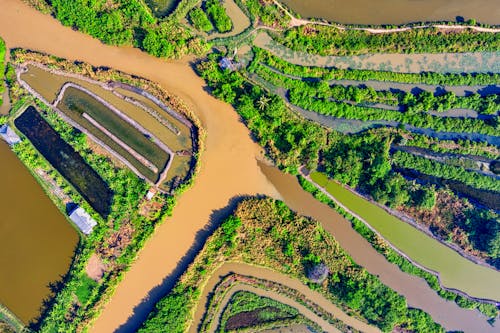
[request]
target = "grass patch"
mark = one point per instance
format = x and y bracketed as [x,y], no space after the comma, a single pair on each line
[85,288]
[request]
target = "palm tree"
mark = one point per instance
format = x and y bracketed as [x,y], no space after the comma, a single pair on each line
[263,102]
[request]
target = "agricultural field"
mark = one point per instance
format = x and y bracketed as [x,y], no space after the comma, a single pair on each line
[135,128]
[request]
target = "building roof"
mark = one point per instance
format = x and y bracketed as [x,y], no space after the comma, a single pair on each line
[82,220]
[9,135]
[227,63]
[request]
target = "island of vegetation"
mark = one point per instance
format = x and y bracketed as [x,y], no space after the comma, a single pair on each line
[295,247]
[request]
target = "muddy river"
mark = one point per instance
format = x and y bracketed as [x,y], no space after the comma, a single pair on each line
[397,11]
[36,241]
[229,171]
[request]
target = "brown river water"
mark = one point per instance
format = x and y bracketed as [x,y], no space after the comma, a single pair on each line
[36,241]
[396,11]
[229,171]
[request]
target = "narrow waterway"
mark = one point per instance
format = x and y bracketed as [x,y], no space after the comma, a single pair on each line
[270,275]
[229,171]
[36,241]
[397,11]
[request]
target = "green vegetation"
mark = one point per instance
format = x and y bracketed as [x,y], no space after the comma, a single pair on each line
[162,8]
[324,40]
[358,160]
[262,56]
[269,14]
[255,311]
[351,103]
[446,171]
[392,256]
[266,228]
[464,147]
[129,23]
[2,68]
[84,290]
[200,20]
[218,15]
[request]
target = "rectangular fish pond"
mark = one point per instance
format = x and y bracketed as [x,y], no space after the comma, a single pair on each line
[65,160]
[118,134]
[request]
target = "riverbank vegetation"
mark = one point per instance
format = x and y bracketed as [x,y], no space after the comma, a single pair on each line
[128,23]
[394,257]
[132,218]
[2,69]
[252,235]
[362,160]
[367,104]
[326,40]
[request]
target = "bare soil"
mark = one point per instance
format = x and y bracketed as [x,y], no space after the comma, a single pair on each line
[95,268]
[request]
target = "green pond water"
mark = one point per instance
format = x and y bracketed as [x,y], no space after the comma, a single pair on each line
[455,271]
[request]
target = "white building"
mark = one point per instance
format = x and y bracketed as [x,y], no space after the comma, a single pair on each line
[9,135]
[82,220]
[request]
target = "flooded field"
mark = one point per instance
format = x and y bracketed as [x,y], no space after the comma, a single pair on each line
[36,240]
[65,160]
[397,11]
[98,119]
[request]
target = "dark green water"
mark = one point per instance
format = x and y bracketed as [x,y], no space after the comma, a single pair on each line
[66,160]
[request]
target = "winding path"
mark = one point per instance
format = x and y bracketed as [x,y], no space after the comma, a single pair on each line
[270,275]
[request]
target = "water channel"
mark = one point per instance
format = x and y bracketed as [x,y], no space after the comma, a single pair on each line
[36,241]
[396,11]
[229,171]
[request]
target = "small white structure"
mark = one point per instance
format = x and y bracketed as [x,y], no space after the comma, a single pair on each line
[9,135]
[227,63]
[82,220]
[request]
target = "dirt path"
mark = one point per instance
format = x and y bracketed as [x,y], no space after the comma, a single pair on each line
[267,274]
[297,22]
